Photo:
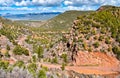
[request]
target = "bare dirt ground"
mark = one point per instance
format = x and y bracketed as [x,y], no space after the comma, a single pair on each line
[86,69]
[92,63]
[96,59]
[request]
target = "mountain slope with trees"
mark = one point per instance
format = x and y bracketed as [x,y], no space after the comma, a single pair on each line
[63,21]
[93,36]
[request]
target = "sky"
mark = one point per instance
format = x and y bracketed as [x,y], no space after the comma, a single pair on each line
[39,6]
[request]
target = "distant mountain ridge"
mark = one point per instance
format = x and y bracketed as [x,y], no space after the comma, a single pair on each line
[31,16]
[32,13]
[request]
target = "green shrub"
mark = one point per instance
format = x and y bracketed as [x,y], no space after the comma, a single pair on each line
[84,45]
[51,77]
[63,66]
[109,49]
[93,32]
[90,49]
[14,43]
[102,50]
[4,64]
[118,38]
[19,64]
[49,60]
[80,40]
[96,44]
[114,34]
[95,37]
[1,55]
[103,30]
[55,60]
[34,59]
[96,25]
[101,38]
[28,41]
[32,67]
[45,68]
[64,56]
[64,39]
[18,50]
[39,50]
[116,50]
[107,41]
[8,47]
[87,37]
[42,74]
[7,54]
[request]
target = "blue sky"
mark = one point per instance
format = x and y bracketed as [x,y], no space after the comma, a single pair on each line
[38,6]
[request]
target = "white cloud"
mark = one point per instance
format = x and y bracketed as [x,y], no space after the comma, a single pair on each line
[76,2]
[23,3]
[68,2]
[80,8]
[111,2]
[51,3]
[62,9]
[91,2]
[15,9]
[6,2]
[55,5]
[47,2]
[84,7]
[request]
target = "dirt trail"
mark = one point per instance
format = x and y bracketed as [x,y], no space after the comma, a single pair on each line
[86,69]
[92,63]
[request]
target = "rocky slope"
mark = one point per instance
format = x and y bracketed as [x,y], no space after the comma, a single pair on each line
[95,32]
[94,40]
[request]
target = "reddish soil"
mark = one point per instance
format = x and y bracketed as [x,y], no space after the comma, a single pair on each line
[95,59]
[86,69]
[92,63]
